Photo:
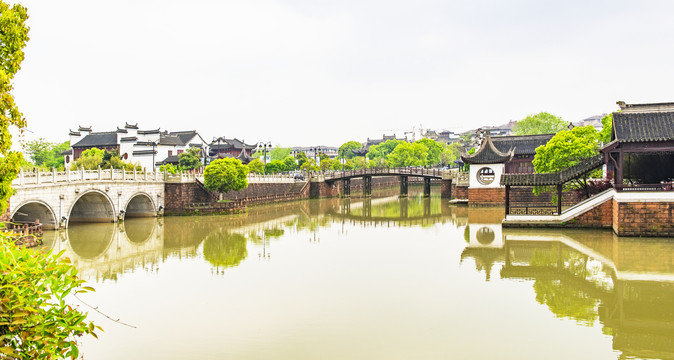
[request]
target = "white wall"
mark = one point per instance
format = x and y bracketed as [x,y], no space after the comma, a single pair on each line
[498,171]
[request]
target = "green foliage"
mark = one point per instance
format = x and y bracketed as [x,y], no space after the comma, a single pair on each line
[346,150]
[359,162]
[567,148]
[541,123]
[349,165]
[378,153]
[279,153]
[406,154]
[225,175]
[46,154]
[224,249]
[274,167]
[301,158]
[607,129]
[256,166]
[90,159]
[435,150]
[190,159]
[35,320]
[450,153]
[289,163]
[330,164]
[169,168]
[309,165]
[13,37]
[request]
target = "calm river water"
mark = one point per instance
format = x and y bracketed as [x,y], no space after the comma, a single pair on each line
[385,278]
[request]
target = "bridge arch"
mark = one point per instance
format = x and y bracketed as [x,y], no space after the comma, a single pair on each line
[92,206]
[31,210]
[140,205]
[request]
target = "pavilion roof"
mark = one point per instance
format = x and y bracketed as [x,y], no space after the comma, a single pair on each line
[487,154]
[643,126]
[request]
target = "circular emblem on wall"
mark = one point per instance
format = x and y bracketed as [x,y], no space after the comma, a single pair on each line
[485,176]
[126,156]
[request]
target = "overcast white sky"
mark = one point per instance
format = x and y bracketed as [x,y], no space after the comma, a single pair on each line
[310,72]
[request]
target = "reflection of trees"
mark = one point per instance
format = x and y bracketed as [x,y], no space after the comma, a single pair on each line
[225,249]
[561,298]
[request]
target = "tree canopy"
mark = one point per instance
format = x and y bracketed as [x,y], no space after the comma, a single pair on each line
[567,148]
[435,149]
[256,166]
[607,129]
[406,154]
[275,166]
[190,159]
[378,153]
[346,150]
[225,175]
[279,153]
[46,154]
[541,123]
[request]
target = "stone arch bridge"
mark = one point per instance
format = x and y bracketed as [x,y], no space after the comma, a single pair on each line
[57,199]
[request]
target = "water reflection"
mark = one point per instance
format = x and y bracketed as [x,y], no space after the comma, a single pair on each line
[623,286]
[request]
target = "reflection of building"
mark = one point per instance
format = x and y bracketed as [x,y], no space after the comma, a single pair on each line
[484,236]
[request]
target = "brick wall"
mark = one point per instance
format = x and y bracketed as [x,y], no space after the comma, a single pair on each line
[178,196]
[644,219]
[486,196]
[322,189]
[598,217]
[459,192]
[262,190]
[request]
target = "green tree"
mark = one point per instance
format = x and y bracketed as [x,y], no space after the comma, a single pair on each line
[567,148]
[35,320]
[279,153]
[256,166]
[359,162]
[225,175]
[346,150]
[329,164]
[169,168]
[274,167]
[378,153]
[541,123]
[450,153]
[289,163]
[406,154]
[301,158]
[46,154]
[607,129]
[190,159]
[13,37]
[90,159]
[349,165]
[434,151]
[309,165]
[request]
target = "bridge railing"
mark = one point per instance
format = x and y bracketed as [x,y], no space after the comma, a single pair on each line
[252,178]
[52,177]
[340,174]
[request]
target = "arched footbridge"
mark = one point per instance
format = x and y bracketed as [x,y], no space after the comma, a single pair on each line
[58,199]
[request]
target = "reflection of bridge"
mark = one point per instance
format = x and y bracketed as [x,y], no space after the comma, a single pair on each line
[404,219]
[403,173]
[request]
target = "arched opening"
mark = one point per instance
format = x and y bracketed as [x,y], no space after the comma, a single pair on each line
[140,206]
[35,211]
[90,240]
[139,230]
[90,208]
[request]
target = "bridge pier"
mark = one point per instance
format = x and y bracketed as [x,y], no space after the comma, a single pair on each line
[404,185]
[367,186]
[427,187]
[446,189]
[346,188]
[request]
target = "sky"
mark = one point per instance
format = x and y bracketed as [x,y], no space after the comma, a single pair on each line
[317,72]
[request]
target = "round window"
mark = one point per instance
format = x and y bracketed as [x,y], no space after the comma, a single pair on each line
[485,236]
[485,176]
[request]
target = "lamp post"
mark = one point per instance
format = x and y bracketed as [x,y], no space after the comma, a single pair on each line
[264,146]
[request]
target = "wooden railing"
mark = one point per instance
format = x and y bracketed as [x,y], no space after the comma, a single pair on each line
[532,210]
[26,234]
[340,174]
[664,186]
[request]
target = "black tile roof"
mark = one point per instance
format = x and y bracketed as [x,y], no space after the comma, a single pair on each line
[185,136]
[170,140]
[144,152]
[67,152]
[98,139]
[642,127]
[523,144]
[130,126]
[82,128]
[74,133]
[556,178]
[128,138]
[171,159]
[487,154]
[147,132]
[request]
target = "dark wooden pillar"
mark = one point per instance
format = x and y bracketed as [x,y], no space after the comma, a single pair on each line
[559,199]
[619,168]
[367,186]
[346,187]
[507,199]
[427,187]
[404,185]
